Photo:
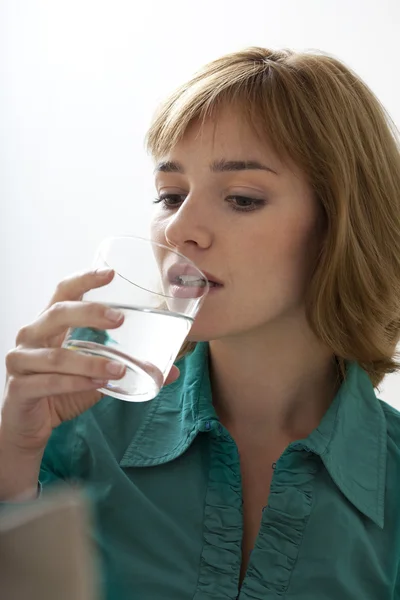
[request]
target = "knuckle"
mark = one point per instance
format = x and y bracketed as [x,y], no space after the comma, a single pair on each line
[14,385]
[22,335]
[101,310]
[56,309]
[95,311]
[74,285]
[11,359]
[62,287]
[54,357]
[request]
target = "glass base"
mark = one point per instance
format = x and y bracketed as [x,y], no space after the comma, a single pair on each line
[142,381]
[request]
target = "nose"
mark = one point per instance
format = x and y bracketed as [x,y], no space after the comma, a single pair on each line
[190,226]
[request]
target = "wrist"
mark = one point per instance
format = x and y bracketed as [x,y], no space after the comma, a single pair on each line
[30,445]
[19,471]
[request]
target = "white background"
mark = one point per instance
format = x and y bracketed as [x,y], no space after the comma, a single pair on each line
[79,81]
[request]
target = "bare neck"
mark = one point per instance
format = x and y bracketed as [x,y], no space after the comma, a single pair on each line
[274,384]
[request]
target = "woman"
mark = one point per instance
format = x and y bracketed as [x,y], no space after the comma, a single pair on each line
[268,469]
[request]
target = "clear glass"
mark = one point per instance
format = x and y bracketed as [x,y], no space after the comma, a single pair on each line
[160,293]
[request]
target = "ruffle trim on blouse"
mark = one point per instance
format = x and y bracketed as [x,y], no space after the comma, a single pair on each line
[221,556]
[282,528]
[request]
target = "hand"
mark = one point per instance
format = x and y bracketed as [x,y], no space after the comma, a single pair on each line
[47,384]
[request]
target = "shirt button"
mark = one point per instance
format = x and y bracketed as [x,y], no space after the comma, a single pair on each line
[208,425]
[219,428]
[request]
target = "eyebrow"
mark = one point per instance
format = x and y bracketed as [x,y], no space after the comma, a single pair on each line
[218,166]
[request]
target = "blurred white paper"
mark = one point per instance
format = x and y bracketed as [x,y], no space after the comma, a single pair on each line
[45,553]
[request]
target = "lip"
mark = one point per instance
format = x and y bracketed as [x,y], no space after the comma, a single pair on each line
[211,278]
[178,290]
[179,269]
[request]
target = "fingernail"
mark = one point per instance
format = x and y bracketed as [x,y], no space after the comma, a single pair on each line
[103,272]
[113,315]
[100,382]
[115,368]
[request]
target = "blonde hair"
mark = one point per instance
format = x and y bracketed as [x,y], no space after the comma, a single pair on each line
[317,112]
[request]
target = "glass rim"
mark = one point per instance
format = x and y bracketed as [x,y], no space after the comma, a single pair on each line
[150,241]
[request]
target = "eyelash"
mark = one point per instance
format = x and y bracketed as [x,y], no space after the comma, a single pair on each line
[255,202]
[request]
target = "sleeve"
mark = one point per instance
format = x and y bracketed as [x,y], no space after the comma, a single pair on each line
[58,459]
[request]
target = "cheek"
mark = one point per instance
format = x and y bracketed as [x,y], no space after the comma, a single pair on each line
[292,242]
[278,245]
[157,234]
[278,260]
[157,229]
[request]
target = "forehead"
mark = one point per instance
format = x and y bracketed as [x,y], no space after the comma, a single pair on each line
[225,136]
[225,133]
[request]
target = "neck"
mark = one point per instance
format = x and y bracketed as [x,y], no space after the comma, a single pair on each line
[273,384]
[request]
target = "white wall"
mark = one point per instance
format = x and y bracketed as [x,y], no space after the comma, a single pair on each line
[79,80]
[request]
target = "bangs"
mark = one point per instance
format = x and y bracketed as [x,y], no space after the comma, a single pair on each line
[253,95]
[317,114]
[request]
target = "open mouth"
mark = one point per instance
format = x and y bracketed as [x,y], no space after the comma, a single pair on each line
[188,282]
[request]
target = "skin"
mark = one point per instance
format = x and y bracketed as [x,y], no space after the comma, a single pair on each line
[272,379]
[47,384]
[263,256]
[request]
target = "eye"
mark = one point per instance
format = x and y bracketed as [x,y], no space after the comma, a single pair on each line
[245,203]
[169,200]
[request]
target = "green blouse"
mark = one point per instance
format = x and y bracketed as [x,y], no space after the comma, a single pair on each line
[165,481]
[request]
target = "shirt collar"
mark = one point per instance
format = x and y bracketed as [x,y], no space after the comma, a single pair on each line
[351,439]
[352,443]
[176,415]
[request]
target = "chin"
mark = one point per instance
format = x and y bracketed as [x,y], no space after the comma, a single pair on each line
[199,337]
[201,332]
[205,330]
[206,327]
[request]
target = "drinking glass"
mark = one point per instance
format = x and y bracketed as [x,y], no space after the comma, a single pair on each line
[160,292]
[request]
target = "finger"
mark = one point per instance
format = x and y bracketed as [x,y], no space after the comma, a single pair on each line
[34,387]
[28,361]
[63,315]
[75,286]
[173,375]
